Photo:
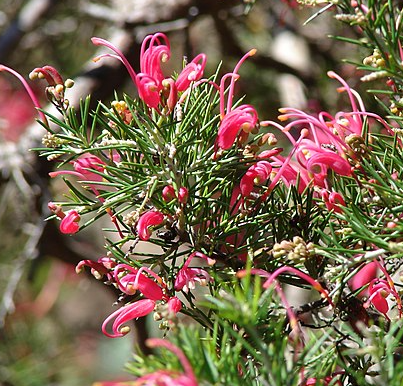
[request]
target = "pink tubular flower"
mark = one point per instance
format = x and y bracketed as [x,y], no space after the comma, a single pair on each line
[378,291]
[85,167]
[136,280]
[69,224]
[174,305]
[126,313]
[154,50]
[149,90]
[328,159]
[333,201]
[147,220]
[169,377]
[192,72]
[241,118]
[363,277]
[99,269]
[187,277]
[256,174]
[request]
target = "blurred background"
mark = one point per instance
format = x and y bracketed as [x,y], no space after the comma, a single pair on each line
[50,318]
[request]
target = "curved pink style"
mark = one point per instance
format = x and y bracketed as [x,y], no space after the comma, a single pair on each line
[147,220]
[126,313]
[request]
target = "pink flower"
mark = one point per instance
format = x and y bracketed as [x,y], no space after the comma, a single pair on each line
[126,313]
[378,291]
[241,118]
[147,220]
[169,377]
[154,50]
[328,159]
[256,174]
[99,269]
[187,277]
[135,280]
[333,201]
[69,224]
[363,277]
[192,72]
[87,167]
[149,90]
[174,305]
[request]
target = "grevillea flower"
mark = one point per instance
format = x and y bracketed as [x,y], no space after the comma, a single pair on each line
[241,118]
[169,377]
[153,87]
[100,268]
[328,159]
[69,224]
[126,313]
[148,90]
[155,49]
[129,280]
[363,277]
[146,221]
[192,72]
[333,201]
[380,289]
[187,277]
[85,167]
[256,174]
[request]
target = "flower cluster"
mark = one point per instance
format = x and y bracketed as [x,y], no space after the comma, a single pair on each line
[157,91]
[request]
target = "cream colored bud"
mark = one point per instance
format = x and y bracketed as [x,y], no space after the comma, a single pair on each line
[59,88]
[69,83]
